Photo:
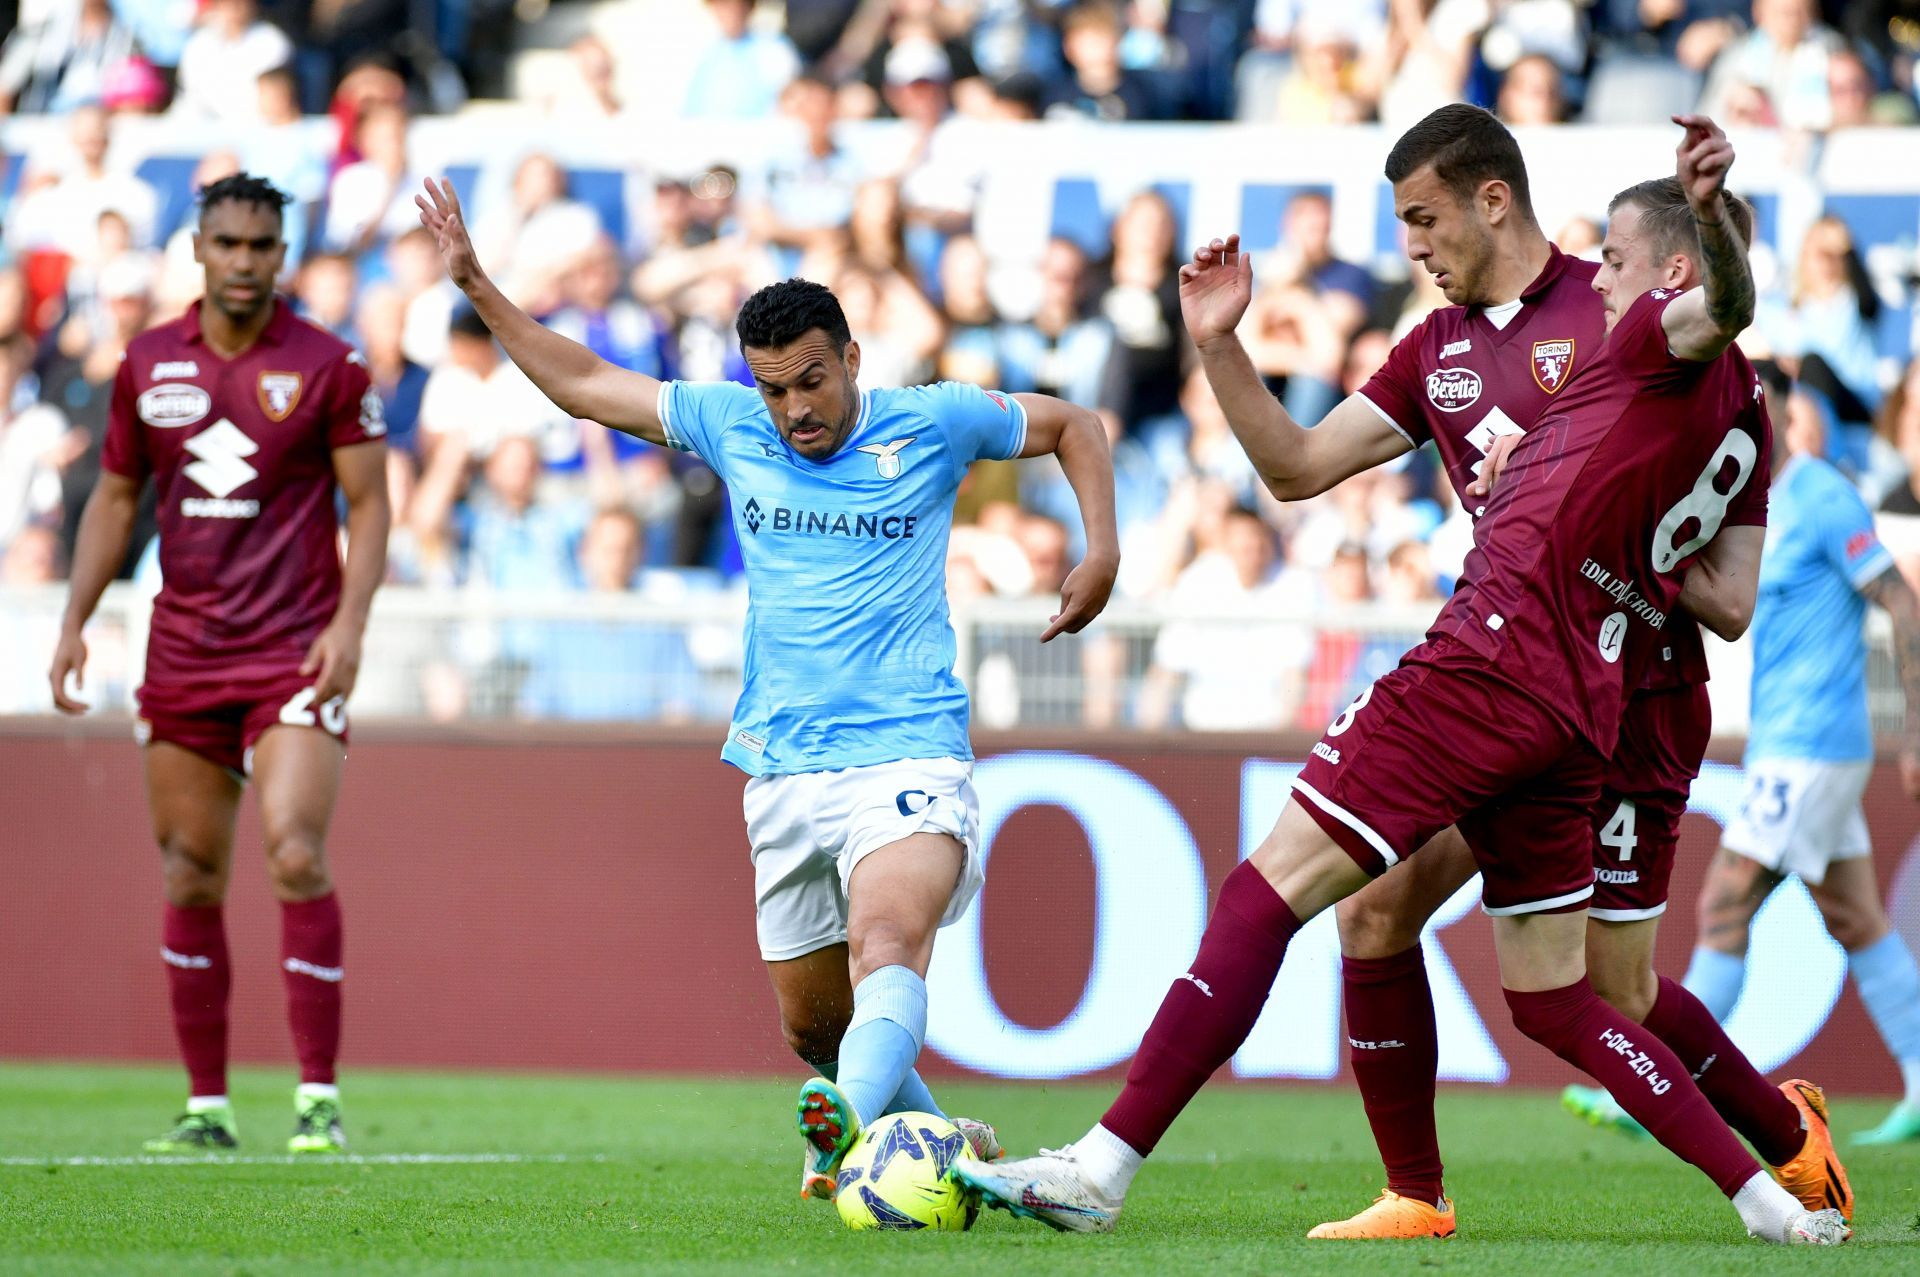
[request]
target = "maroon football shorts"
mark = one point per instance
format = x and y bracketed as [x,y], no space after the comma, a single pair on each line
[1636,827]
[1432,745]
[222,722]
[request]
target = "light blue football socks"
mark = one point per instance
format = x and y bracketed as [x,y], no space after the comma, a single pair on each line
[882,1042]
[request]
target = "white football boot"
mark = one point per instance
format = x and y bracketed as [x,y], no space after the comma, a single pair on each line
[1052,1188]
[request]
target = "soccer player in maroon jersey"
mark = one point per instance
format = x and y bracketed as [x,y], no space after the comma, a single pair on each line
[1471,377]
[1502,721]
[251,422]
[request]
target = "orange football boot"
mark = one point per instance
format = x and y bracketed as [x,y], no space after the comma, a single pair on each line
[1815,1174]
[1390,1216]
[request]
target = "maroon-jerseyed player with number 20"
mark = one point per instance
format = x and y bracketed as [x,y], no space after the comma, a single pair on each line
[250,422]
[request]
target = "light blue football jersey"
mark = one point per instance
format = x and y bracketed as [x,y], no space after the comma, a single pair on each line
[1809,654]
[849,649]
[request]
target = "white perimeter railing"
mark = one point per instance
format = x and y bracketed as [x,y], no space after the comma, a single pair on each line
[458,655]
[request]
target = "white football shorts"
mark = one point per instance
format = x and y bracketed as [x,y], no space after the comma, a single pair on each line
[1802,814]
[808,831]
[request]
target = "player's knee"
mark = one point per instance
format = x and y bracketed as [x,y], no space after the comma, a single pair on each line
[1369,930]
[1631,993]
[299,865]
[192,871]
[884,943]
[815,1039]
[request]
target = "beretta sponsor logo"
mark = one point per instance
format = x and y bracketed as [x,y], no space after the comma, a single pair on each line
[173,404]
[1452,389]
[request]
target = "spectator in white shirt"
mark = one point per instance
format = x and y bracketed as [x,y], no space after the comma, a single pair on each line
[222,64]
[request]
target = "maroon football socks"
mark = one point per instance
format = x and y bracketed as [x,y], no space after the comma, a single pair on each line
[310,958]
[1209,1011]
[194,947]
[1641,1071]
[1395,1048]
[1750,1104]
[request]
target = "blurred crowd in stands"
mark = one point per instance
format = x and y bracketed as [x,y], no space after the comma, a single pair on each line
[494,489]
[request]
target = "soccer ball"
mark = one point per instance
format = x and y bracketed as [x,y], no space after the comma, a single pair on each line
[895,1176]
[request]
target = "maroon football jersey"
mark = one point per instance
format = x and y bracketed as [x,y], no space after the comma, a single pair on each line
[1578,561]
[242,453]
[1462,380]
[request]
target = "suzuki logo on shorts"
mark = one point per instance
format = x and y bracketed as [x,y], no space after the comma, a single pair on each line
[886,456]
[1613,632]
[1453,389]
[221,449]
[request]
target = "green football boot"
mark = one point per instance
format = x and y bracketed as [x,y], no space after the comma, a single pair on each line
[1595,1107]
[1901,1125]
[209,1130]
[318,1128]
[829,1126]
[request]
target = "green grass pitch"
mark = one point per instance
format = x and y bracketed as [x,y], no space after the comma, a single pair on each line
[618,1175]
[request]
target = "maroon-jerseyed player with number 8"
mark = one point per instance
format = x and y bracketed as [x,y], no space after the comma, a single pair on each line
[251,422]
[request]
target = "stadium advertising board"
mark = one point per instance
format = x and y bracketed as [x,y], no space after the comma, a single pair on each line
[561,902]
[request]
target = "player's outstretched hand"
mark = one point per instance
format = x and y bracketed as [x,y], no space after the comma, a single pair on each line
[69,657]
[1702,160]
[1910,769]
[335,658]
[1083,597]
[1494,466]
[440,213]
[1215,289]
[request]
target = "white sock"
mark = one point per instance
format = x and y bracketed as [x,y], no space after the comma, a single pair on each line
[316,1091]
[203,1103]
[1109,1161]
[1766,1208]
[1910,1074]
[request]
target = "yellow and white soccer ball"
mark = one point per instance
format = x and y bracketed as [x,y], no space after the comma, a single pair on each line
[895,1176]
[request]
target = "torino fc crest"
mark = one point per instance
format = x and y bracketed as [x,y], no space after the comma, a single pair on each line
[279,393]
[1552,361]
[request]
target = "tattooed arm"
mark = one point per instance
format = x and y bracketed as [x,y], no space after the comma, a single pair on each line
[1891,591]
[1702,324]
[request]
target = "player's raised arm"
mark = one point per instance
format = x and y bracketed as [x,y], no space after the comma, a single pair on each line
[1076,437]
[1724,581]
[1703,323]
[1215,290]
[577,380]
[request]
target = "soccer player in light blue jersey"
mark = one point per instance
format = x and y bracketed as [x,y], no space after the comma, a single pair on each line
[861,815]
[1810,752]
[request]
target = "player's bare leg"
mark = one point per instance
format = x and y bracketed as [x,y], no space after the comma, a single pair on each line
[1393,1038]
[296,772]
[1735,889]
[193,803]
[1884,973]
[896,897]
[1208,1012]
[1543,970]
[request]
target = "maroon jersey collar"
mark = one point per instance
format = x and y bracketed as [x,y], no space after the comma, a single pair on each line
[274,334]
[1549,274]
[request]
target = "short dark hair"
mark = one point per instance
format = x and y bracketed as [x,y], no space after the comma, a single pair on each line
[1666,219]
[780,314]
[244,188]
[1466,146]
